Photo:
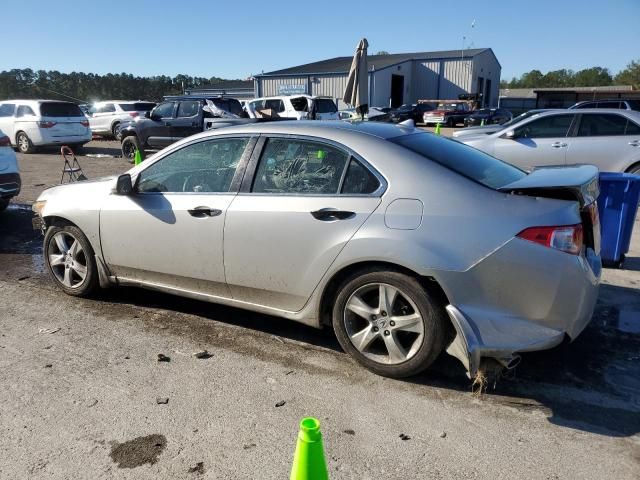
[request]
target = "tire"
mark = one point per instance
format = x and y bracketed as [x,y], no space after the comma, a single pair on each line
[114,131]
[68,256]
[4,203]
[24,144]
[129,146]
[421,337]
[450,123]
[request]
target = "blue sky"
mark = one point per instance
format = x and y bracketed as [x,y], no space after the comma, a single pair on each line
[237,39]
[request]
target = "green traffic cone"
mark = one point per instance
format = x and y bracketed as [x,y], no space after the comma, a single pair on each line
[308,461]
[137,157]
[437,132]
[482,122]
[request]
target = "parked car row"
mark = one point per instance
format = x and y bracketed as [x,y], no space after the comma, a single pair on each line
[10,182]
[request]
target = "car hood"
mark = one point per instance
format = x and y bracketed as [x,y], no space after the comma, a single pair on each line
[81,189]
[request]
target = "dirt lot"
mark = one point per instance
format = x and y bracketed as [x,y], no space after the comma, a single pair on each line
[84,396]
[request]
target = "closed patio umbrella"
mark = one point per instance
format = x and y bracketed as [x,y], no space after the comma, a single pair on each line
[357,91]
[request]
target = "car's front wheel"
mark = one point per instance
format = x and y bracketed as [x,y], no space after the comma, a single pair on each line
[25,145]
[389,323]
[129,146]
[70,260]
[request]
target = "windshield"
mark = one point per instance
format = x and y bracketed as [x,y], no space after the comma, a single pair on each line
[325,105]
[60,109]
[465,160]
[520,117]
[137,107]
[447,107]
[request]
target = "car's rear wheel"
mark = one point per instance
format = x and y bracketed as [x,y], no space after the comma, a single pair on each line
[25,145]
[129,146]
[70,260]
[389,323]
[115,131]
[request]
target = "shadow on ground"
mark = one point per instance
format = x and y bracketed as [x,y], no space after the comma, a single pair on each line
[592,384]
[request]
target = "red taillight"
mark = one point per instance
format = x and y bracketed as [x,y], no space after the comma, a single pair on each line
[84,123]
[46,124]
[4,140]
[567,238]
[133,114]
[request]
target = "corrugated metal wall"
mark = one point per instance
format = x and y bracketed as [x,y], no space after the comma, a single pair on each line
[456,78]
[425,80]
[330,86]
[486,66]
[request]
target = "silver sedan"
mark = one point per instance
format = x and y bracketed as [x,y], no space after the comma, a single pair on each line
[404,242]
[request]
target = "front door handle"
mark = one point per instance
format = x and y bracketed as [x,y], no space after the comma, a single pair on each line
[331,214]
[635,143]
[558,145]
[200,212]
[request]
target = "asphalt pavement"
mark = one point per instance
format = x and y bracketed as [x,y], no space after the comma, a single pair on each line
[84,394]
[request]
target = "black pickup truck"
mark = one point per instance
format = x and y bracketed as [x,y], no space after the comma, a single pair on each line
[179,117]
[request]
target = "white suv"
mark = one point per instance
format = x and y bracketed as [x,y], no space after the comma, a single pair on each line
[105,117]
[33,123]
[296,107]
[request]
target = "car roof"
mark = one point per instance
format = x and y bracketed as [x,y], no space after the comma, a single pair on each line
[319,128]
[123,101]
[34,101]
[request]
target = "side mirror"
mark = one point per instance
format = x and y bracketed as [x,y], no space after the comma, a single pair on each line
[509,135]
[124,185]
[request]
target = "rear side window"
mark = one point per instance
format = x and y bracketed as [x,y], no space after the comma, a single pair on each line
[634,104]
[608,104]
[359,180]
[164,110]
[289,165]
[325,105]
[300,104]
[60,109]
[274,104]
[632,128]
[546,127]
[230,105]
[188,108]
[24,110]
[137,107]
[7,110]
[462,159]
[601,125]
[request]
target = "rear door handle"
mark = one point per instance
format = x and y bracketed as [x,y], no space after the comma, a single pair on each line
[200,212]
[558,145]
[331,214]
[635,143]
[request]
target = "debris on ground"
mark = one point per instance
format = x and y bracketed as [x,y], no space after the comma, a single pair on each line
[443,434]
[138,451]
[248,446]
[289,372]
[197,468]
[349,431]
[404,437]
[203,355]
[99,155]
[23,278]
[162,400]
[163,358]
[49,330]
[280,403]
[48,365]
[278,338]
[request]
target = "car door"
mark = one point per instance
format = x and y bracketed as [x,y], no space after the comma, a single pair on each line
[188,119]
[609,141]
[169,231]
[540,142]
[159,129]
[285,229]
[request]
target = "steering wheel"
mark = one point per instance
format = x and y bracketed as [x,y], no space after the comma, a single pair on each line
[195,183]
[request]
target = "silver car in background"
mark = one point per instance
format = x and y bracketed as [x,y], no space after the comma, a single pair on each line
[606,138]
[106,117]
[487,129]
[405,242]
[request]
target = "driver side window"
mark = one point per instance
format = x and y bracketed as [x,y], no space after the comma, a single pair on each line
[203,167]
[164,110]
[551,126]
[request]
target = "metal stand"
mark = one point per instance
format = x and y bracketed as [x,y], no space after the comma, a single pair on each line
[71,170]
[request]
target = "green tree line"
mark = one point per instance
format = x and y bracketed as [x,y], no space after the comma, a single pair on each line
[89,87]
[588,77]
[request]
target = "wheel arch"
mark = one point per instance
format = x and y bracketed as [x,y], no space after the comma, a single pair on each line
[633,166]
[430,284]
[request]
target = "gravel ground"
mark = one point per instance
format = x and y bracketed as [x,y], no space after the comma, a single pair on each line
[83,393]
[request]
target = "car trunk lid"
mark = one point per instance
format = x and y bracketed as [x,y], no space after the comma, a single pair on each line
[578,183]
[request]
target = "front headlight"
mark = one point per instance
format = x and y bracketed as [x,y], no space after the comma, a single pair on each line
[38,206]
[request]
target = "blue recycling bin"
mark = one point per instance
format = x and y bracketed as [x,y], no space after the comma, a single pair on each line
[617,207]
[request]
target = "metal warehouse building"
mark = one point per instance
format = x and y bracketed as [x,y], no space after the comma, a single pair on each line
[394,79]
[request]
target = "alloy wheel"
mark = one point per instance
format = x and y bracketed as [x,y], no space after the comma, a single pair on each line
[23,142]
[383,323]
[67,259]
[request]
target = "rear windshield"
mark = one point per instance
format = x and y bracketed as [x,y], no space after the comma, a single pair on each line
[230,105]
[460,158]
[60,109]
[325,105]
[634,104]
[137,107]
